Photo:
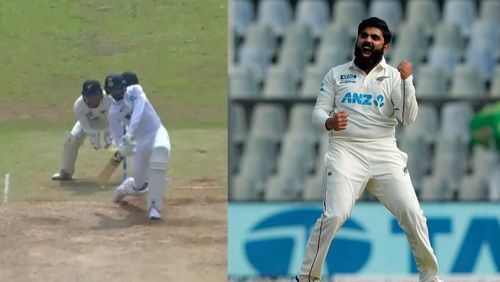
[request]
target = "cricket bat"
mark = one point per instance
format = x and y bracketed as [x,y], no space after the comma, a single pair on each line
[110,168]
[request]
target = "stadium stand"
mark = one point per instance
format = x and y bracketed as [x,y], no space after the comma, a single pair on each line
[461,12]
[286,47]
[495,85]
[349,13]
[242,16]
[276,14]
[467,82]
[431,81]
[424,13]
[390,10]
[444,58]
[450,37]
[242,82]
[313,14]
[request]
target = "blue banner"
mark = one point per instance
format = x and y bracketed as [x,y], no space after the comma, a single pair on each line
[270,239]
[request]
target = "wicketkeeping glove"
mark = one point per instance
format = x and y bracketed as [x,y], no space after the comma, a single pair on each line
[95,140]
[108,139]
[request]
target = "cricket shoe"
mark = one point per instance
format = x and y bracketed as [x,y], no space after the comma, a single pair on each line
[154,213]
[127,189]
[61,176]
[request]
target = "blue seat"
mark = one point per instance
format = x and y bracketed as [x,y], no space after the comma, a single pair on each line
[314,14]
[242,16]
[350,13]
[461,12]
[423,13]
[389,10]
[276,14]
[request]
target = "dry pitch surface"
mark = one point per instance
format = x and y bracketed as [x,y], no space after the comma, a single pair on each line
[100,241]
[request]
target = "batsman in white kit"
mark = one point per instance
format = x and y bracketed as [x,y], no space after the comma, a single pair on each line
[359,105]
[91,110]
[146,140]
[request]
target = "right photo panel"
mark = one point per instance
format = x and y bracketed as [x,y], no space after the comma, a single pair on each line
[363,140]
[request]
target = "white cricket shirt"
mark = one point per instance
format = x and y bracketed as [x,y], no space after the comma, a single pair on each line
[373,101]
[92,119]
[136,112]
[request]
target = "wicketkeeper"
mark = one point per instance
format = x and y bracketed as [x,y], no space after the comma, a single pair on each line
[91,110]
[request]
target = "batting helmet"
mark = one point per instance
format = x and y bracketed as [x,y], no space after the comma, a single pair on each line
[115,85]
[130,78]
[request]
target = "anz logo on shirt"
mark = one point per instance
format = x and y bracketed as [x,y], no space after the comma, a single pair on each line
[364,99]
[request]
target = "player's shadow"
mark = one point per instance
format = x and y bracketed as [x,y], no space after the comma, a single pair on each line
[86,186]
[135,216]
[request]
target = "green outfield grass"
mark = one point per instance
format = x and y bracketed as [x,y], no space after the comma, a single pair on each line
[178,48]
[32,153]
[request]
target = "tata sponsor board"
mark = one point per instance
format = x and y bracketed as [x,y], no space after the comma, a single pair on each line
[270,239]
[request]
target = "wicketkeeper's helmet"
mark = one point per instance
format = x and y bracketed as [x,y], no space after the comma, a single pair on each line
[92,93]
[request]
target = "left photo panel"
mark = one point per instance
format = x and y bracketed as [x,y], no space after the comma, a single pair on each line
[113,140]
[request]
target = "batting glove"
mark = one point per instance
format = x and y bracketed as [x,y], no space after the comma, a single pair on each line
[127,147]
[128,138]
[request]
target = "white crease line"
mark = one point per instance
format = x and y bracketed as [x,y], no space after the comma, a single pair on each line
[6,188]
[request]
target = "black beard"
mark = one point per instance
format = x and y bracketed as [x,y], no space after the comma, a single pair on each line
[370,62]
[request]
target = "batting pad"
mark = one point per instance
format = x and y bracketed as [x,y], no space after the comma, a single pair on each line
[157,177]
[70,152]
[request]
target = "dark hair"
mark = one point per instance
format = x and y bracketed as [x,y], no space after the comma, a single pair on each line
[377,23]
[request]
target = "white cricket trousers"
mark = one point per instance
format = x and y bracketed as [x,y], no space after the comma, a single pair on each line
[380,167]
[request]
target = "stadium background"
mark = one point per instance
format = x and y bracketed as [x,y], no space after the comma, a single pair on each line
[279,52]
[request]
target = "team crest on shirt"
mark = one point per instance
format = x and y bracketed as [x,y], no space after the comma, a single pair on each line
[381,78]
[348,78]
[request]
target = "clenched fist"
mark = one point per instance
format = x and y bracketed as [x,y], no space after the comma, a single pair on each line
[338,121]
[405,68]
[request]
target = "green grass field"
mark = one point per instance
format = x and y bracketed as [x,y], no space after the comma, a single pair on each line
[179,50]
